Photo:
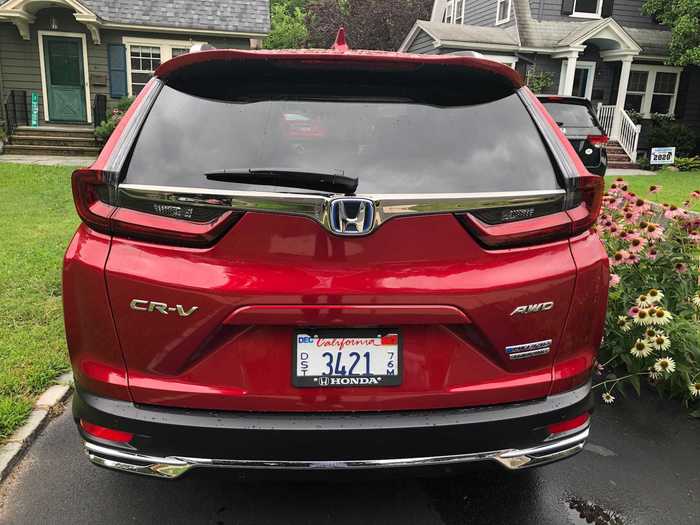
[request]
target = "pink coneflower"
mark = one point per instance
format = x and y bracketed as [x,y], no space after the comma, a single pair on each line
[614,280]
[641,206]
[653,231]
[633,258]
[695,236]
[695,194]
[652,254]
[633,312]
[619,257]
[654,188]
[681,267]
[674,211]
[637,244]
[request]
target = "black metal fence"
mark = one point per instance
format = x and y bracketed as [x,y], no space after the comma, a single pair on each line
[16,110]
[99,109]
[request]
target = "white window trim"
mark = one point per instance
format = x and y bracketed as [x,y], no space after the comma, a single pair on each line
[651,81]
[500,21]
[450,12]
[461,18]
[86,72]
[580,64]
[165,46]
[597,14]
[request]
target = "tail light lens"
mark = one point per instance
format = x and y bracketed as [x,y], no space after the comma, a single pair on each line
[524,226]
[151,221]
[108,434]
[597,140]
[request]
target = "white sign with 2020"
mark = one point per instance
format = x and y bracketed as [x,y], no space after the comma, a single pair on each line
[663,155]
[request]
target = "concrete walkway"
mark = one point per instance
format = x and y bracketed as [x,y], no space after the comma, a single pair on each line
[47,160]
[612,172]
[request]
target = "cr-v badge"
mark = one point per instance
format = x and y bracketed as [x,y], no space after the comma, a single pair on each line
[152,306]
[533,308]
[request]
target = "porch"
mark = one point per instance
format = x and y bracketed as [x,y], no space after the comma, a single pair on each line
[602,62]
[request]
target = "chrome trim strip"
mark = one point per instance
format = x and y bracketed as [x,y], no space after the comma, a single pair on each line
[174,466]
[316,207]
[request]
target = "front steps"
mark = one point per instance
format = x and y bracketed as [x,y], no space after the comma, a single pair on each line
[66,141]
[618,159]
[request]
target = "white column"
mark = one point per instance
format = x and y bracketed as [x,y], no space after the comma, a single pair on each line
[621,96]
[569,76]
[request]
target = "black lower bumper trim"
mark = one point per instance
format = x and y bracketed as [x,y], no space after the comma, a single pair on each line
[165,432]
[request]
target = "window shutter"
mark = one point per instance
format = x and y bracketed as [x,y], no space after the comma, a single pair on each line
[567,7]
[116,61]
[607,10]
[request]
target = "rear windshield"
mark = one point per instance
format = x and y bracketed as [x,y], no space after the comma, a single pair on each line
[571,115]
[390,145]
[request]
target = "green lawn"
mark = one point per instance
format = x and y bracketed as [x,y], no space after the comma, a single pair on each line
[676,187]
[37,222]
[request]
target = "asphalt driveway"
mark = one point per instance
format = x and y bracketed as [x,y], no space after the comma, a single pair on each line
[642,466]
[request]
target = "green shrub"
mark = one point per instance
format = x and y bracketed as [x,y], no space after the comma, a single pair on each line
[652,330]
[668,132]
[106,127]
[687,163]
[538,81]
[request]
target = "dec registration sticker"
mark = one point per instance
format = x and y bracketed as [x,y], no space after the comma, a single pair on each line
[346,358]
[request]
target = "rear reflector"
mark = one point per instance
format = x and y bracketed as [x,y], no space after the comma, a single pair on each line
[569,424]
[162,223]
[105,433]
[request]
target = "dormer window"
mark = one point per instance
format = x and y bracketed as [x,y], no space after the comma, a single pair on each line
[587,8]
[502,11]
[454,12]
[459,11]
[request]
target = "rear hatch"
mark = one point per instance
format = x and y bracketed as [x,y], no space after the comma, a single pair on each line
[464,269]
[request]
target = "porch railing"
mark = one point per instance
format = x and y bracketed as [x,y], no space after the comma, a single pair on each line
[16,111]
[627,134]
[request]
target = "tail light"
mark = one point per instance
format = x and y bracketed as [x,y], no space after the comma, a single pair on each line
[538,224]
[108,434]
[162,223]
[597,140]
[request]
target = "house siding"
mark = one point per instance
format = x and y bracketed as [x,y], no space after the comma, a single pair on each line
[422,44]
[480,13]
[20,65]
[625,12]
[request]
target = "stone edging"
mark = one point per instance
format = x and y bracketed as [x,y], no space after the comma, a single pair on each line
[18,443]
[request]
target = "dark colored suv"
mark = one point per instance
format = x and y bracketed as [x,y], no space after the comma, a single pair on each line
[578,121]
[334,260]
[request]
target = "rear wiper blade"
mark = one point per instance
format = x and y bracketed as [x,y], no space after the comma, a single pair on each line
[334,182]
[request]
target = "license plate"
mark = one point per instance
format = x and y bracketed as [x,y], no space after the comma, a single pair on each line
[346,358]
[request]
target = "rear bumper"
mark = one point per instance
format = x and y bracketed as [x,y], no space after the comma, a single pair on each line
[170,442]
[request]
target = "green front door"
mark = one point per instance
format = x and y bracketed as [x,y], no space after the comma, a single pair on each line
[65,81]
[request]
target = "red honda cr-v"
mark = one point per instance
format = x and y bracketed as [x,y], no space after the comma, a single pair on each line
[333,260]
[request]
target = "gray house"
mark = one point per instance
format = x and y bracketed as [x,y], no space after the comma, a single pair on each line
[605,50]
[68,62]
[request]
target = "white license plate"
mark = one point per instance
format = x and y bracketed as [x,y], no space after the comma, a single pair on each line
[346,358]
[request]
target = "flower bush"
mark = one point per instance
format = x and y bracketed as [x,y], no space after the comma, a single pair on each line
[106,127]
[652,333]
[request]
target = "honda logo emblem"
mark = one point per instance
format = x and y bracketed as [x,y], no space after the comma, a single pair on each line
[351,216]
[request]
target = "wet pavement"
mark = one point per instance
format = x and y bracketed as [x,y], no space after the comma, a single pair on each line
[642,466]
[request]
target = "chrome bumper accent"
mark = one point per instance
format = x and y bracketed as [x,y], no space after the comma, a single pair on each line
[174,466]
